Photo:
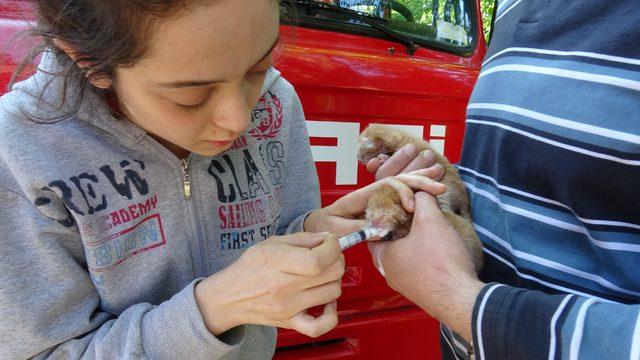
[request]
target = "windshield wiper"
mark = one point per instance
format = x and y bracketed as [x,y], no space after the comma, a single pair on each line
[410,46]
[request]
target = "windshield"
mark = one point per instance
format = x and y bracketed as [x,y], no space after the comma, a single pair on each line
[449,23]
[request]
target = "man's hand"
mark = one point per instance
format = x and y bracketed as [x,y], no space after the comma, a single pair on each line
[431,267]
[404,161]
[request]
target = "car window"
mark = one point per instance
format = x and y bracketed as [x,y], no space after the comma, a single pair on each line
[449,23]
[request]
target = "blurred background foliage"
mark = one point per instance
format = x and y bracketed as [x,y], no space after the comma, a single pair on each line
[422,10]
[423,13]
[486,6]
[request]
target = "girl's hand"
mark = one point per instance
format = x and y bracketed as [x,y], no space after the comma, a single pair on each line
[346,214]
[273,283]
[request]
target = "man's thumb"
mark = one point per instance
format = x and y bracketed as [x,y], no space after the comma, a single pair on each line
[376,248]
[426,207]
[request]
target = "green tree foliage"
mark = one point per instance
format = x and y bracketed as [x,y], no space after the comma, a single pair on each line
[486,6]
[423,10]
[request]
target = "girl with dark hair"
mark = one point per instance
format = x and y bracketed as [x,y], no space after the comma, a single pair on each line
[157,192]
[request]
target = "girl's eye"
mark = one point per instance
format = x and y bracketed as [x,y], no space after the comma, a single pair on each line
[195,107]
[191,107]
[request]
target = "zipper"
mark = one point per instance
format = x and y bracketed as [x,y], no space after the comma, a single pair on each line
[186,178]
[193,207]
[200,268]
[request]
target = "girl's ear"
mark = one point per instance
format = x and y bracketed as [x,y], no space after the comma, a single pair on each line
[101,81]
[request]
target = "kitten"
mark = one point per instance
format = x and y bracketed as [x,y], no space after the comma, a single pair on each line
[385,209]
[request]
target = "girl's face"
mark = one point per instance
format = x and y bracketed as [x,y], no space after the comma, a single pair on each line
[196,86]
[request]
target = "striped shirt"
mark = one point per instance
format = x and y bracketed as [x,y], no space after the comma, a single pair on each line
[551,159]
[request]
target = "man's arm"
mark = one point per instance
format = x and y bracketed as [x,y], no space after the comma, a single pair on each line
[512,323]
[432,268]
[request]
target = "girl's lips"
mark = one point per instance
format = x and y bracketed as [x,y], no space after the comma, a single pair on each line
[220,143]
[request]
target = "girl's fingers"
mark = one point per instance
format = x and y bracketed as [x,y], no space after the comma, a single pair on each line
[355,203]
[403,190]
[417,182]
[314,327]
[318,295]
[331,274]
[344,226]
[406,184]
[434,172]
[310,262]
[307,240]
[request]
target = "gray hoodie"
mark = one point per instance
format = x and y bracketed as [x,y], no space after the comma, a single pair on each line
[100,248]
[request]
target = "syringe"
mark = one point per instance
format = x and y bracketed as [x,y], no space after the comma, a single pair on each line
[359,236]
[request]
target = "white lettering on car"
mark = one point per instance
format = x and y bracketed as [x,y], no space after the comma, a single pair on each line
[343,154]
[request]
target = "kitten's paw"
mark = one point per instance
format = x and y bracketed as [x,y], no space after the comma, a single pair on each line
[369,148]
[378,139]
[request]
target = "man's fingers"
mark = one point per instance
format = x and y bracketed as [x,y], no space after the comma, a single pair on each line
[376,248]
[314,327]
[383,157]
[424,160]
[397,162]
[373,165]
[427,208]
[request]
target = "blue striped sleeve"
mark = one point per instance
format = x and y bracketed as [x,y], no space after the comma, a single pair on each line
[513,323]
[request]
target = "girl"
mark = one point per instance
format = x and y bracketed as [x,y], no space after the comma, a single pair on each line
[153,147]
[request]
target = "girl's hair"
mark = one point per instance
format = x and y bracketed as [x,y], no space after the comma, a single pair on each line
[106,34]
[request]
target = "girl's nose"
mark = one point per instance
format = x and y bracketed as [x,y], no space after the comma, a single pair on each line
[232,112]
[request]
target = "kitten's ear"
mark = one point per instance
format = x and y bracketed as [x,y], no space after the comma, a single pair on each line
[99,81]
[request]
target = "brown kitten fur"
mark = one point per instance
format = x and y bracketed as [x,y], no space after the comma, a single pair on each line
[385,209]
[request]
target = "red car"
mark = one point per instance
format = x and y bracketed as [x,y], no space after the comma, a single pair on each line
[406,63]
